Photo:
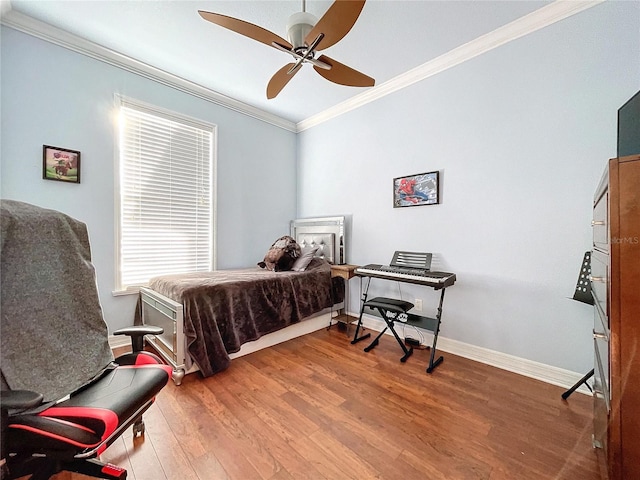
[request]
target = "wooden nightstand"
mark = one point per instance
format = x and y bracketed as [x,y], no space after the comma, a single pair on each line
[346,272]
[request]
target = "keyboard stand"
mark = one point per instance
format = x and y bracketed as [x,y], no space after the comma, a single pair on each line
[426,323]
[432,324]
[363,300]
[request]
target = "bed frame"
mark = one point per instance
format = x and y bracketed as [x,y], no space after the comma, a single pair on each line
[328,233]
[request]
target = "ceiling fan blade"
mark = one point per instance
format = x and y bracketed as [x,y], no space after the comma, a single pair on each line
[281,78]
[343,75]
[245,28]
[336,22]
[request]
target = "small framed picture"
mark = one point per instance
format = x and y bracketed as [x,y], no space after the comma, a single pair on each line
[60,164]
[415,190]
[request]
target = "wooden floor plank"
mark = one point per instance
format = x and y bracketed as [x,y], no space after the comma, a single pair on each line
[145,464]
[292,463]
[320,408]
[169,451]
[208,467]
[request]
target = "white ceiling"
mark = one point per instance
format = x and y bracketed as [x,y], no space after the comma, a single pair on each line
[390,38]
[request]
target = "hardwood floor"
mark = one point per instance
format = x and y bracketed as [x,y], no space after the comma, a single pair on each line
[318,407]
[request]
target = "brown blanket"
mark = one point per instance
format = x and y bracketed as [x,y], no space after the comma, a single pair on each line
[227,308]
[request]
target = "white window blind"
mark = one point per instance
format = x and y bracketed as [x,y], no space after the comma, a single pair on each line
[166,212]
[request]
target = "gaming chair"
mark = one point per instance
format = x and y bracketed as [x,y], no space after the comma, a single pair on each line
[64,398]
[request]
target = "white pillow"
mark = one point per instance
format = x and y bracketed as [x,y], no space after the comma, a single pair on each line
[304,259]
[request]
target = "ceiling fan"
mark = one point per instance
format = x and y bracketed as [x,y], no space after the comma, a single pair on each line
[307,35]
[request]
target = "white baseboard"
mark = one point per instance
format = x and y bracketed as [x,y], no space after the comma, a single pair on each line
[528,368]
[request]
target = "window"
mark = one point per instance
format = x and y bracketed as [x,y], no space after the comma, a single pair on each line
[165,199]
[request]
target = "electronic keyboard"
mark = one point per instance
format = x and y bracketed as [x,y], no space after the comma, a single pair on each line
[407,274]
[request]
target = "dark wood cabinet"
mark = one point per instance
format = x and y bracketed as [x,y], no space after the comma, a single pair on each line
[615,282]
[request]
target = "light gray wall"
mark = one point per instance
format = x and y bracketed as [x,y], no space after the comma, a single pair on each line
[520,136]
[53,96]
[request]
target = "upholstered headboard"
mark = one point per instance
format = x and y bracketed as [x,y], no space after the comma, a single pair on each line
[328,233]
[324,241]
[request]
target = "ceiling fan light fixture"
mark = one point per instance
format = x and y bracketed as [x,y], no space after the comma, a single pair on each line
[298,27]
[306,35]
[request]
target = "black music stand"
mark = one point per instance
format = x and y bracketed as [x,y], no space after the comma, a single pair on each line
[583,294]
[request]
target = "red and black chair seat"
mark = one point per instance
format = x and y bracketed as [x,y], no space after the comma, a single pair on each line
[57,418]
[89,419]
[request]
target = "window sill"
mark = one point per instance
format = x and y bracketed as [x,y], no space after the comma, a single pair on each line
[128,291]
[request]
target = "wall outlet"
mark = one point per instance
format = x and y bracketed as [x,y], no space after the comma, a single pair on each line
[417,305]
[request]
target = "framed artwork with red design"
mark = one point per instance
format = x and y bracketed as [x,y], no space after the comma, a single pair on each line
[416,190]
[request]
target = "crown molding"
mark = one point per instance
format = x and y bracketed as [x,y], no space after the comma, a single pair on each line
[534,21]
[57,36]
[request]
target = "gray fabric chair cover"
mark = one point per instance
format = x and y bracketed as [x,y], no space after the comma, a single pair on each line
[53,337]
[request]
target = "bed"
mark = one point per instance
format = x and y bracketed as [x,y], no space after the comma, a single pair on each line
[207,317]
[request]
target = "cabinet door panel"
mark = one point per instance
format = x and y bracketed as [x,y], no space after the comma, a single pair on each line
[599,283]
[600,223]
[600,400]
[601,344]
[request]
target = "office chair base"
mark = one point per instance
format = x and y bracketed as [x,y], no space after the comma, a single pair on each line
[43,468]
[97,469]
[138,428]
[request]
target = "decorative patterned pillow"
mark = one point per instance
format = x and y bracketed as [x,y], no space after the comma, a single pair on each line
[304,260]
[282,255]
